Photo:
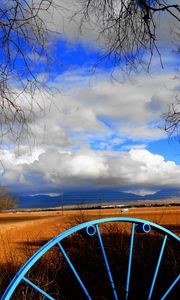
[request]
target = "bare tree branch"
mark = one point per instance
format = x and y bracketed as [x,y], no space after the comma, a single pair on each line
[23,46]
[172,120]
[128,28]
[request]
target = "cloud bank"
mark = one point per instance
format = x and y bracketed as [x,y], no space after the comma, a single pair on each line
[86,168]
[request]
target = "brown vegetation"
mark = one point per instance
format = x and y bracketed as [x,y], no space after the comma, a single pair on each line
[7,201]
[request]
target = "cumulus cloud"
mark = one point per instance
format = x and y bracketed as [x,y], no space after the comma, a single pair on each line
[137,168]
[131,108]
[68,168]
[13,167]
[154,168]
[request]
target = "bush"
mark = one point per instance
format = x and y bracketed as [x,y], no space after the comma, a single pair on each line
[7,201]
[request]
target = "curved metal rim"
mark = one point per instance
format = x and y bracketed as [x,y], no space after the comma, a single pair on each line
[37,255]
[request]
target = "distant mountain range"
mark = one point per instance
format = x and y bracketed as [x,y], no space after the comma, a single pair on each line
[89,197]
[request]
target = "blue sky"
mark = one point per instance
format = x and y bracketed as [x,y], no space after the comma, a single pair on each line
[96,131]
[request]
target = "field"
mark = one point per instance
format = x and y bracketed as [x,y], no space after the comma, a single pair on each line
[22,233]
[20,228]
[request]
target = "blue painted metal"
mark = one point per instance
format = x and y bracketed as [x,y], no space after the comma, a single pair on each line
[143,228]
[91,230]
[106,263]
[171,287]
[26,267]
[74,271]
[130,260]
[157,267]
[37,288]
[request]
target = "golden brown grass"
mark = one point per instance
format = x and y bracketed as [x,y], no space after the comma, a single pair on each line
[18,228]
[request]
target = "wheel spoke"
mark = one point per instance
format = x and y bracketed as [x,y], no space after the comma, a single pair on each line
[157,267]
[106,263]
[74,270]
[130,260]
[171,287]
[37,288]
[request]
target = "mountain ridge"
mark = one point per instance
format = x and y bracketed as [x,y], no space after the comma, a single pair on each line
[90,196]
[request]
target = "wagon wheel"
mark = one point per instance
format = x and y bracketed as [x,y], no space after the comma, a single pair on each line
[92,229]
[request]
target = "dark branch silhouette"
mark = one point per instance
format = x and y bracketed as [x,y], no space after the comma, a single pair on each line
[128,28]
[23,48]
[172,120]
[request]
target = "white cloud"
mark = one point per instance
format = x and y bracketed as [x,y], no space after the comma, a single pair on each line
[67,168]
[132,108]
[13,167]
[137,168]
[131,146]
[46,194]
[88,166]
[142,192]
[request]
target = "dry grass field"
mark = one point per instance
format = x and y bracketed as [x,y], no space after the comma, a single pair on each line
[20,228]
[22,233]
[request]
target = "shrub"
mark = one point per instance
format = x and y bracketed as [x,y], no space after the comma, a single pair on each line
[7,201]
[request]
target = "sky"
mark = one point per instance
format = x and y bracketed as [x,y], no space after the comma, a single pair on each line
[97,131]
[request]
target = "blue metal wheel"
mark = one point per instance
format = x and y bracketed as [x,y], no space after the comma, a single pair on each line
[123,280]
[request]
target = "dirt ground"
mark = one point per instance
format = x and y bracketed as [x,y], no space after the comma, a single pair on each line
[22,233]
